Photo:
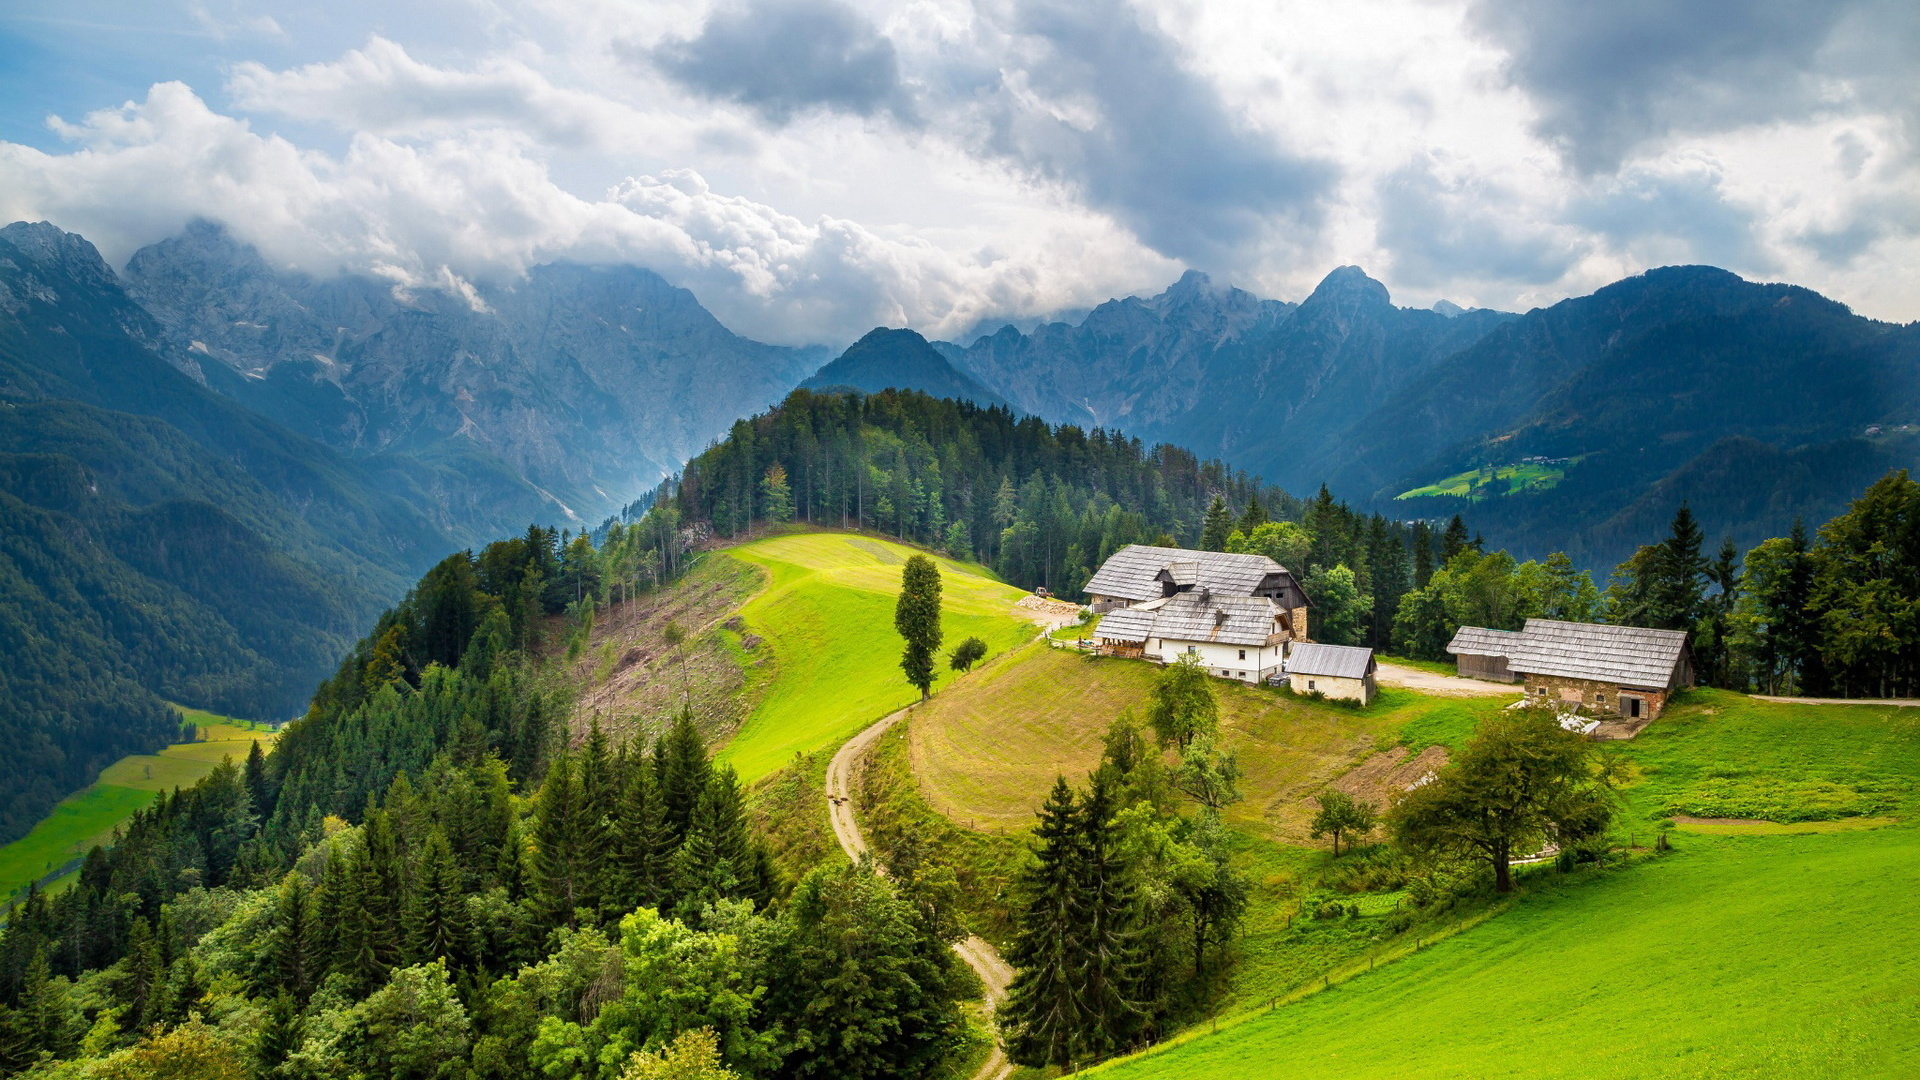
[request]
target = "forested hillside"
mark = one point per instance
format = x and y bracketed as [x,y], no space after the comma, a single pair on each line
[161,542]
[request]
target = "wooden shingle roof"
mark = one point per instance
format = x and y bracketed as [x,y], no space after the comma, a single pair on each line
[1132,573]
[1196,616]
[1627,655]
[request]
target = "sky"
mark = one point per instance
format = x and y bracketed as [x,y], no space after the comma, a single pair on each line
[813,168]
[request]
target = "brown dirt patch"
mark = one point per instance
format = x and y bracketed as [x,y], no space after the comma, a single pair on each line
[634,682]
[1376,780]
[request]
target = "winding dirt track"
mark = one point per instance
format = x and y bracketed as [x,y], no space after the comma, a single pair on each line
[995,973]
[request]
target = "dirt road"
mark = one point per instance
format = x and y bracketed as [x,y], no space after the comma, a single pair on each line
[995,973]
[1443,685]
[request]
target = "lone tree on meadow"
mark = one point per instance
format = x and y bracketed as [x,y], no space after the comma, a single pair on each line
[1522,782]
[917,617]
[967,654]
[1341,815]
[1183,704]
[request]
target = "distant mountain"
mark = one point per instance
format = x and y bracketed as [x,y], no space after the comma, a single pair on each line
[899,360]
[1221,371]
[579,385]
[1635,398]
[158,540]
[1755,403]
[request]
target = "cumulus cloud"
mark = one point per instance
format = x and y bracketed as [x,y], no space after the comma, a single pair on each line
[1094,96]
[1446,231]
[379,89]
[1675,216]
[443,213]
[783,57]
[1610,78]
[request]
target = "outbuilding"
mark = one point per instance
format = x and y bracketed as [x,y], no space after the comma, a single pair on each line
[1627,671]
[1342,672]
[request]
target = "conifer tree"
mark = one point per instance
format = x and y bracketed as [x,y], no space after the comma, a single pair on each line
[255,775]
[1253,516]
[642,843]
[281,1033]
[1216,526]
[560,862]
[294,950]
[436,916]
[599,803]
[1454,540]
[916,615]
[680,761]
[1107,947]
[1042,1016]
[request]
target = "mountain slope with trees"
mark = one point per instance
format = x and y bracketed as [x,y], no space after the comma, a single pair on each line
[898,360]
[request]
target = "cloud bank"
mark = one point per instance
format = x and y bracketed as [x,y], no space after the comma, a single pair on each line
[811,168]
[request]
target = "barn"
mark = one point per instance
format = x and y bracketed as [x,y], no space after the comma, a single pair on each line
[1628,671]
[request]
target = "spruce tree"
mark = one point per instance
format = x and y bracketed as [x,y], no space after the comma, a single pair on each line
[680,762]
[642,843]
[599,803]
[1216,526]
[1107,948]
[916,615]
[1253,516]
[1454,540]
[294,950]
[1042,1016]
[281,1033]
[436,916]
[560,863]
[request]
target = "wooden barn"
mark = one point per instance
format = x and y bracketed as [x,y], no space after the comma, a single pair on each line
[1627,671]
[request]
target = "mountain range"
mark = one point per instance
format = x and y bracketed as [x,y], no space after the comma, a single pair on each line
[215,472]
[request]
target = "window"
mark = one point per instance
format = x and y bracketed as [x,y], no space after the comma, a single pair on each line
[1600,700]
[1542,691]
[1243,654]
[1309,684]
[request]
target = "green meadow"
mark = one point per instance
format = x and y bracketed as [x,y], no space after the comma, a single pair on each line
[1765,957]
[1758,948]
[90,816]
[827,615]
[1500,480]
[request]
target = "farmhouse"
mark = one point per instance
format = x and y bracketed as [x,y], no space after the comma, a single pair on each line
[1627,671]
[1235,614]
[1336,671]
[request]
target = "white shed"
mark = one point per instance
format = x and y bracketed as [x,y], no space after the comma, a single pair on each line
[1336,671]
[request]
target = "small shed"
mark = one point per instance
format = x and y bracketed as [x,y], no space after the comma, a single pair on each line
[1336,671]
[1482,653]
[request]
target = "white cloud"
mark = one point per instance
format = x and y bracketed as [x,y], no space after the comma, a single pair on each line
[933,162]
[443,212]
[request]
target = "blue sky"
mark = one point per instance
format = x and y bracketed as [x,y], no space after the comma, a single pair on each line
[815,167]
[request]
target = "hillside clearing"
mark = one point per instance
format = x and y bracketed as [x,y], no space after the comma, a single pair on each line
[826,614]
[1773,957]
[90,815]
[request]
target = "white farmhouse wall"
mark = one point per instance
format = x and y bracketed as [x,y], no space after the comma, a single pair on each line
[1346,689]
[1222,661]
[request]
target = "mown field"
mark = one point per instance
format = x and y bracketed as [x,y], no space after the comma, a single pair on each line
[89,816]
[1765,957]
[987,750]
[827,616]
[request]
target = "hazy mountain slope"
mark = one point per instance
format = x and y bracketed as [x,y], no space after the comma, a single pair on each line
[899,360]
[587,383]
[160,540]
[1261,382]
[1134,364]
[1751,401]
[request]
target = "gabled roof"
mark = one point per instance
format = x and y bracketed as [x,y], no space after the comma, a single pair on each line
[1194,616]
[1627,655]
[1480,641]
[1132,573]
[1330,661]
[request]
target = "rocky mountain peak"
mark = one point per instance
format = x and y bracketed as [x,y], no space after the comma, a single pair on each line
[1349,287]
[53,250]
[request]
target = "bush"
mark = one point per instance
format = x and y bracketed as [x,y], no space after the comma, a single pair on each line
[1398,923]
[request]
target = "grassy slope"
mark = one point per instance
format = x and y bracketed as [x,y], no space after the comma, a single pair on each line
[1765,957]
[89,816]
[987,751]
[827,614]
[1751,952]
